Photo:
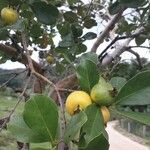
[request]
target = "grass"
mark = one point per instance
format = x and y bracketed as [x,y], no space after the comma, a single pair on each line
[7,141]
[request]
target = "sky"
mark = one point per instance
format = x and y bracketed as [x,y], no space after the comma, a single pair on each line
[126,55]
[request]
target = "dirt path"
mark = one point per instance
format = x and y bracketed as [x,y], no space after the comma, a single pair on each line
[120,142]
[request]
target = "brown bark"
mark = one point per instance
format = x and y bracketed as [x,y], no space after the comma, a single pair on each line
[12,52]
[67,82]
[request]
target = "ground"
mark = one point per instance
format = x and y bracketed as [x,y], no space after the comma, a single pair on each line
[121,142]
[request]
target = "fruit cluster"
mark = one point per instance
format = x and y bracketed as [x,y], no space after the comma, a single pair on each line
[101,94]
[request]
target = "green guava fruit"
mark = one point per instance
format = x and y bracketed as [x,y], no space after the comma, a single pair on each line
[102,93]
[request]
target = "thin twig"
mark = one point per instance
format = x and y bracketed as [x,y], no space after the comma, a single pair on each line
[63,125]
[137,57]
[63,89]
[11,78]
[18,102]
[139,47]
[25,47]
[5,83]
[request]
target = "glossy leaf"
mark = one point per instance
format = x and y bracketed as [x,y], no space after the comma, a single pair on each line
[76,30]
[93,128]
[89,23]
[79,48]
[89,36]
[98,143]
[90,56]
[136,91]
[131,3]
[67,41]
[48,16]
[38,148]
[64,29]
[3,3]
[22,132]
[87,74]
[118,82]
[20,25]
[114,8]
[74,126]
[140,40]
[70,16]
[41,115]
[3,34]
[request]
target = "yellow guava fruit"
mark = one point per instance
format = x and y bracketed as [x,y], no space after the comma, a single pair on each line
[9,15]
[76,101]
[105,114]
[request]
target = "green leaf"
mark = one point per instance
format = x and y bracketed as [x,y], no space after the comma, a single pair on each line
[38,148]
[60,68]
[70,16]
[118,82]
[90,56]
[136,91]
[36,30]
[22,132]
[45,13]
[74,126]
[71,2]
[114,8]
[14,2]
[89,23]
[87,74]
[132,3]
[79,48]
[64,29]
[41,115]
[140,40]
[93,128]
[3,3]
[89,36]
[67,41]
[41,146]
[20,25]
[137,116]
[76,30]
[3,34]
[98,143]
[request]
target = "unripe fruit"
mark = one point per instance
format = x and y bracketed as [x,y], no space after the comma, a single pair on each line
[102,93]
[105,114]
[9,15]
[76,101]
[50,59]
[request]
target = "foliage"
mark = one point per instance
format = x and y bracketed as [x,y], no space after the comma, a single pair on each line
[73,21]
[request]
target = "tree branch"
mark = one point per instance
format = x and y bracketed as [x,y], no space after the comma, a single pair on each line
[12,52]
[117,38]
[120,49]
[109,27]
